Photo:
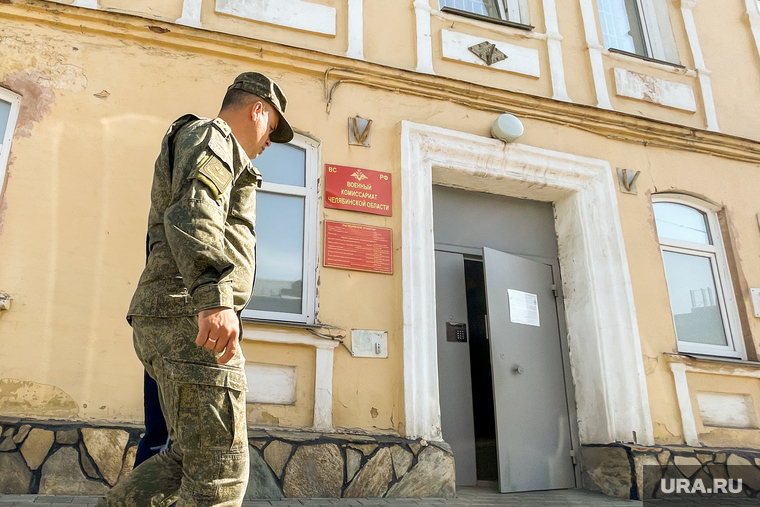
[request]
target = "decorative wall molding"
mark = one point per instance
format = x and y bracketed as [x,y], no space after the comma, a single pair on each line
[271,383]
[554,47]
[727,410]
[680,365]
[355,29]
[703,74]
[520,60]
[688,423]
[651,89]
[595,54]
[87,4]
[297,14]
[323,368]
[191,13]
[607,364]
[424,37]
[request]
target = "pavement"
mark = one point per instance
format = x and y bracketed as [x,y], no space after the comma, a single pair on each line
[465,496]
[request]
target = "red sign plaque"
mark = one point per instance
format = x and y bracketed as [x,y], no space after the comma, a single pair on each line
[357,189]
[359,247]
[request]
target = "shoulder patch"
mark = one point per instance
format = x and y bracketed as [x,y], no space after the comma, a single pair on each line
[221,147]
[213,173]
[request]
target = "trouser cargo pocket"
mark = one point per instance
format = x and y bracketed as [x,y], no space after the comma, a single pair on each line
[208,405]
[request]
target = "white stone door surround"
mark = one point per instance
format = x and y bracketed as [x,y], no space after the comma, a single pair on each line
[605,351]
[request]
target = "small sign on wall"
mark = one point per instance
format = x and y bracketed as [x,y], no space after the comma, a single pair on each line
[354,189]
[358,247]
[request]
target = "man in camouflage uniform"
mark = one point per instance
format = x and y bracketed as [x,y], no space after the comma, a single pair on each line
[198,277]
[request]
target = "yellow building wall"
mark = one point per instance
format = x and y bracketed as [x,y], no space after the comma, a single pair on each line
[96,106]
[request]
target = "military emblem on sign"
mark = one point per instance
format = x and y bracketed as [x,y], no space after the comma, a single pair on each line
[359,175]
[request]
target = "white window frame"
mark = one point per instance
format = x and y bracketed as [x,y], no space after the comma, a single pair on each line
[7,137]
[659,41]
[309,301]
[515,11]
[721,273]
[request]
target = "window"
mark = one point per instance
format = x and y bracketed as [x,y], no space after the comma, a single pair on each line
[9,105]
[699,285]
[286,233]
[640,27]
[515,11]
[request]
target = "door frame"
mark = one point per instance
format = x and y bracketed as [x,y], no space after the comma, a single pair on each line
[607,366]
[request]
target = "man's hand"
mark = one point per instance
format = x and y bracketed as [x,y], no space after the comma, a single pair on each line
[218,329]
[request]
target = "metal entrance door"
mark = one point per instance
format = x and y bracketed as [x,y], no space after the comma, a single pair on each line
[454,377]
[533,429]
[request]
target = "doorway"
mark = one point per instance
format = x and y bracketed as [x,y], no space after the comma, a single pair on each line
[502,359]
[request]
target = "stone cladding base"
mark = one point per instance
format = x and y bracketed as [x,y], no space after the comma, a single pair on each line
[618,469]
[54,458]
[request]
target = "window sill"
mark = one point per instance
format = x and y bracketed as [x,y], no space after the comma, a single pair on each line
[677,66]
[487,19]
[698,363]
[323,332]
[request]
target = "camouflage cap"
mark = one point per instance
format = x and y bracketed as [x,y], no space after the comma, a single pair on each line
[259,84]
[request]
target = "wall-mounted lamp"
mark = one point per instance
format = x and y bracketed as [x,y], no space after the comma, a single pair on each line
[507,127]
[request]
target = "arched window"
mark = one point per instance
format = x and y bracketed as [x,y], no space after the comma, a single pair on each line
[699,284]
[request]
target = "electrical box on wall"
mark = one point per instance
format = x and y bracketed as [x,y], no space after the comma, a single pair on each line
[368,343]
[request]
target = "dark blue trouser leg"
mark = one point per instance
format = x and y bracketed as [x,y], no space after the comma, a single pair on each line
[156,433]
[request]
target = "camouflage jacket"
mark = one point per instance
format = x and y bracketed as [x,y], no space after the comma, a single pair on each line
[201,240]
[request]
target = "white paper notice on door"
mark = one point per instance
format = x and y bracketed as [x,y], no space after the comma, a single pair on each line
[523,308]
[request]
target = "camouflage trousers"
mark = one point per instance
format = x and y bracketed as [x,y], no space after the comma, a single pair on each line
[204,407]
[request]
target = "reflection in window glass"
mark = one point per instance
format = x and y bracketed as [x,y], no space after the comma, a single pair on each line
[693,298]
[621,26]
[5,111]
[283,163]
[683,223]
[279,253]
[482,7]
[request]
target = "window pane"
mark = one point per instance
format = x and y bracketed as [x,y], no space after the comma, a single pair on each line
[283,163]
[5,111]
[279,253]
[693,298]
[482,7]
[621,26]
[676,221]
